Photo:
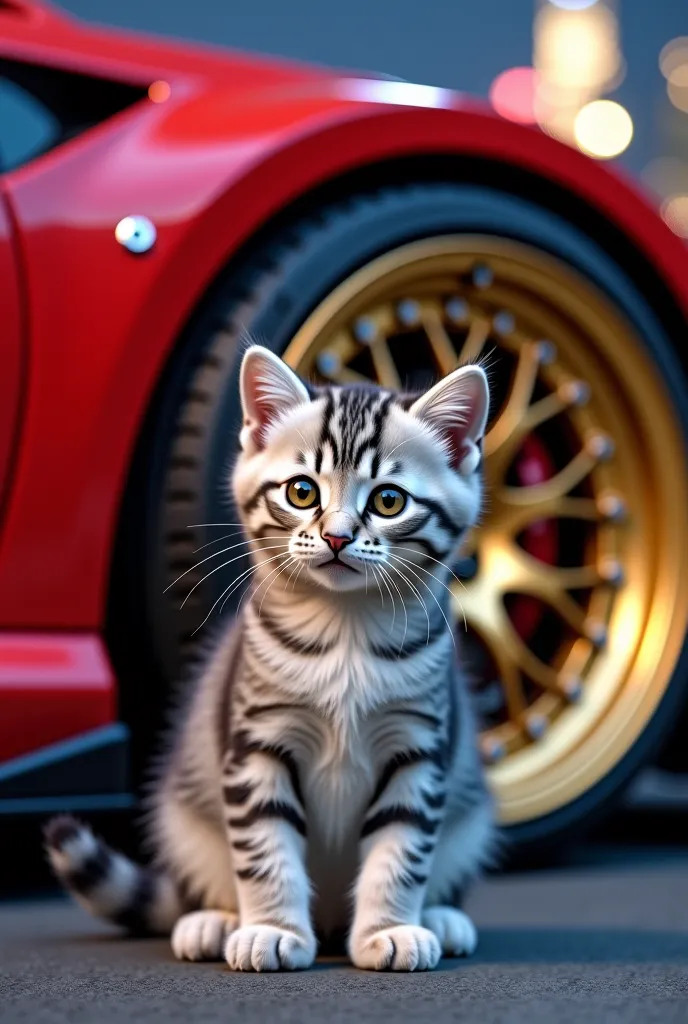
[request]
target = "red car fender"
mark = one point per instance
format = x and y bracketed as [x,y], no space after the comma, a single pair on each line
[11,362]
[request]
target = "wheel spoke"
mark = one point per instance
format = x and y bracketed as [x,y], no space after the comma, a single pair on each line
[478,334]
[506,434]
[515,518]
[385,368]
[510,678]
[559,485]
[568,609]
[349,376]
[492,630]
[528,575]
[440,342]
[539,412]
[543,675]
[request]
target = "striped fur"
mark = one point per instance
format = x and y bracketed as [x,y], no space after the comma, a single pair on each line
[325,779]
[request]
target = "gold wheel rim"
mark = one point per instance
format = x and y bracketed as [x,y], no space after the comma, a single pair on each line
[571,374]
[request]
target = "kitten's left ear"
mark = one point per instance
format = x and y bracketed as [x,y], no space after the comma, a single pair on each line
[269,388]
[457,408]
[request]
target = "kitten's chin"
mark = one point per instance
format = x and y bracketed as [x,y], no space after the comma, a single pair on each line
[337,576]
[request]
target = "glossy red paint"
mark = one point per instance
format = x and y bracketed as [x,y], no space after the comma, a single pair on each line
[52,687]
[10,346]
[237,141]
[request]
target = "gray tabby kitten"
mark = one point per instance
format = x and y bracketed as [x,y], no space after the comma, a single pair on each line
[325,779]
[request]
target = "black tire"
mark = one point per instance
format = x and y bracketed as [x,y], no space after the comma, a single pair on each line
[179,476]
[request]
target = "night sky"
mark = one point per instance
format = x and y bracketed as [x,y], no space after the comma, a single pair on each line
[460,44]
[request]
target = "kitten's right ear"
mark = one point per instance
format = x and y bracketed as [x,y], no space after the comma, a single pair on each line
[269,388]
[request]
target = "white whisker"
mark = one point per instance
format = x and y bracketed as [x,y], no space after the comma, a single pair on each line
[405,441]
[389,576]
[398,547]
[196,526]
[222,551]
[229,590]
[377,581]
[217,540]
[282,569]
[296,570]
[441,582]
[416,593]
[302,438]
[391,596]
[411,567]
[270,547]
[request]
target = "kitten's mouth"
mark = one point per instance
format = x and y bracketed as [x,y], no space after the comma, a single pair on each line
[335,564]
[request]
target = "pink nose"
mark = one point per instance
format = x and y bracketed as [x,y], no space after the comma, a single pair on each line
[336,543]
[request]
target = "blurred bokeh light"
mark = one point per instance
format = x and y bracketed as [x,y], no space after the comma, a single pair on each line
[573,5]
[675,213]
[674,55]
[603,129]
[673,63]
[512,94]
[577,48]
[159,91]
[577,57]
[666,176]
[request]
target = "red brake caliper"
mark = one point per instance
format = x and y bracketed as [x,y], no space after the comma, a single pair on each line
[540,539]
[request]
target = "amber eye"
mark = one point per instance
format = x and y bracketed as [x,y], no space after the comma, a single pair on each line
[388,501]
[302,493]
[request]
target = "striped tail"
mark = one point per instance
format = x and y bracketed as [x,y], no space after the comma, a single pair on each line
[107,884]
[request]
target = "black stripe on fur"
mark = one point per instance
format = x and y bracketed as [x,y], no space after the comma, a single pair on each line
[291,642]
[393,652]
[403,759]
[254,500]
[275,809]
[243,744]
[398,815]
[444,519]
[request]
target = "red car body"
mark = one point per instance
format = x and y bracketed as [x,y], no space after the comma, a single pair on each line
[216,148]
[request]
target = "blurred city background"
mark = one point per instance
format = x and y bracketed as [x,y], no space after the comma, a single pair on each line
[551,61]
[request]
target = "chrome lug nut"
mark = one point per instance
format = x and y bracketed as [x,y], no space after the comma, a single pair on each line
[572,689]
[600,446]
[482,276]
[408,312]
[504,323]
[536,726]
[547,352]
[492,750]
[457,310]
[575,392]
[611,571]
[596,632]
[611,507]
[365,330]
[328,363]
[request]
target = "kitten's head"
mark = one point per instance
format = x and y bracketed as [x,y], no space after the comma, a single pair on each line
[354,483]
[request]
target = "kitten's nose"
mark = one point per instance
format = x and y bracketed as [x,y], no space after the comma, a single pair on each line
[337,541]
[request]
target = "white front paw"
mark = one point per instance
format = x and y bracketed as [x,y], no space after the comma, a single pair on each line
[261,947]
[455,931]
[202,935]
[405,947]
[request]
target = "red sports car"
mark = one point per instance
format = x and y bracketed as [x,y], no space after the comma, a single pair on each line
[171,199]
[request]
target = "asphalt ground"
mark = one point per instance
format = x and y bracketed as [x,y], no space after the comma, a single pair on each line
[601,938]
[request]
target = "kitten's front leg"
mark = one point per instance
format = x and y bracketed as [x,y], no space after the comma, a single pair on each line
[398,840]
[267,831]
